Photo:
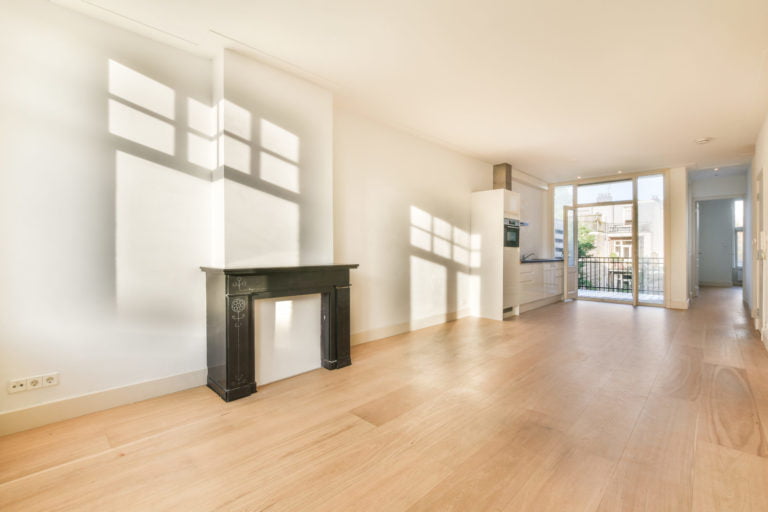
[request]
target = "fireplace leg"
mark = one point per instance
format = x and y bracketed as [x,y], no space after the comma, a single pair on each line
[335,352]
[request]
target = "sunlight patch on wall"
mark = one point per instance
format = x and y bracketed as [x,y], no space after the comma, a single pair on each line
[237,120]
[279,141]
[141,90]
[461,246]
[159,215]
[421,239]
[283,313]
[441,247]
[279,172]
[461,255]
[285,347]
[441,228]
[262,229]
[237,154]
[421,219]
[429,289]
[438,236]
[141,128]
[475,246]
[201,117]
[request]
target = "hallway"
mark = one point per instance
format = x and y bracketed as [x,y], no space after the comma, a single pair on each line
[581,406]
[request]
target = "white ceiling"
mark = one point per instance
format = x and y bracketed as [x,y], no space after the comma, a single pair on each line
[558,88]
[733,170]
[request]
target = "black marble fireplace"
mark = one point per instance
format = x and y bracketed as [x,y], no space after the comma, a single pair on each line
[229,297]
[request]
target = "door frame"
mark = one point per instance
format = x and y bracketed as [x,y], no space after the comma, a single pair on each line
[568,269]
[697,235]
[666,223]
[635,272]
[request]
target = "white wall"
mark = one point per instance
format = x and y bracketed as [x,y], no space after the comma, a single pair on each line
[104,217]
[402,211]
[276,143]
[718,187]
[677,239]
[716,242]
[747,278]
[277,146]
[114,194]
[758,185]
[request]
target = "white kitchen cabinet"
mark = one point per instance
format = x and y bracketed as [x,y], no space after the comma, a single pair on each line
[541,283]
[495,267]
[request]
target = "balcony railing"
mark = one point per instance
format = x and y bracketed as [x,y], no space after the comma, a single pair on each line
[619,228]
[613,275]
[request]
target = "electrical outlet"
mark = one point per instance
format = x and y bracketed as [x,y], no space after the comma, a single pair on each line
[34,382]
[50,379]
[17,386]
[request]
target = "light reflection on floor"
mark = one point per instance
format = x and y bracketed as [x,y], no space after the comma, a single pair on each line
[650,298]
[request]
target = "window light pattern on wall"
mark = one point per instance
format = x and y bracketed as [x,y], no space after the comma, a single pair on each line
[437,293]
[435,235]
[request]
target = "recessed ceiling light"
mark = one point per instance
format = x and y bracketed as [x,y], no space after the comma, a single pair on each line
[717,169]
[703,140]
[578,177]
[619,172]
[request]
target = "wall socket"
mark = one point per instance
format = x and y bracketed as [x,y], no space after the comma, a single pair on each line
[50,379]
[36,382]
[17,385]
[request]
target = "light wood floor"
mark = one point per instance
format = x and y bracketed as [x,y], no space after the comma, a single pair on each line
[583,406]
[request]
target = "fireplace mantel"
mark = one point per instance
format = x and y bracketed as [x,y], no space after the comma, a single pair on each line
[229,297]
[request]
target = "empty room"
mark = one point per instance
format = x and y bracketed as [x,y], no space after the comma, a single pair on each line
[383,256]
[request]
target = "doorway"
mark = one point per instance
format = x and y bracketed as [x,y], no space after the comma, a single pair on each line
[720,242]
[617,244]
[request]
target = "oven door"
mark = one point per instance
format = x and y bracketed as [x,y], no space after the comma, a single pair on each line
[511,236]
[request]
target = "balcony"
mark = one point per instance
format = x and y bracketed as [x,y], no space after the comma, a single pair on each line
[624,229]
[611,278]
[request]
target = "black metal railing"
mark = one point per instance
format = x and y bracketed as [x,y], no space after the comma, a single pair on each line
[615,275]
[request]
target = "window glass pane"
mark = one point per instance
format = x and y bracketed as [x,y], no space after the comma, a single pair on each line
[605,192]
[650,238]
[739,249]
[650,188]
[570,222]
[738,213]
[563,196]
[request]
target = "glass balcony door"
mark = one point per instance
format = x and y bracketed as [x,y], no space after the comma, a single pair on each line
[606,260]
[650,239]
[619,241]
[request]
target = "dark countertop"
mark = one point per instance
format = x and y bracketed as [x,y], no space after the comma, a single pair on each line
[546,260]
[274,270]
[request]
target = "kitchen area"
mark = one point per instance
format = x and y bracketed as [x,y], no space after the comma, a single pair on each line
[517,271]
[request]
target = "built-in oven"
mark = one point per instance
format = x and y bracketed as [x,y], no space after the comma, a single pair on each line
[511,233]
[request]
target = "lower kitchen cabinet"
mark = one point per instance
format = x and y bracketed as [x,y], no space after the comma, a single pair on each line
[540,284]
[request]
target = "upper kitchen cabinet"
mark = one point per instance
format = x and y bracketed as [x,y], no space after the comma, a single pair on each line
[535,215]
[512,205]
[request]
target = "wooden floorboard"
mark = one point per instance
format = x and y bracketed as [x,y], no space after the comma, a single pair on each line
[583,406]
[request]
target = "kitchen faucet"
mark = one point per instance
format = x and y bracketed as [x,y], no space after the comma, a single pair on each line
[529,255]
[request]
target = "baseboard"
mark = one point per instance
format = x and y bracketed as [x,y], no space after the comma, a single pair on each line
[50,412]
[376,334]
[679,304]
[393,330]
[529,306]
